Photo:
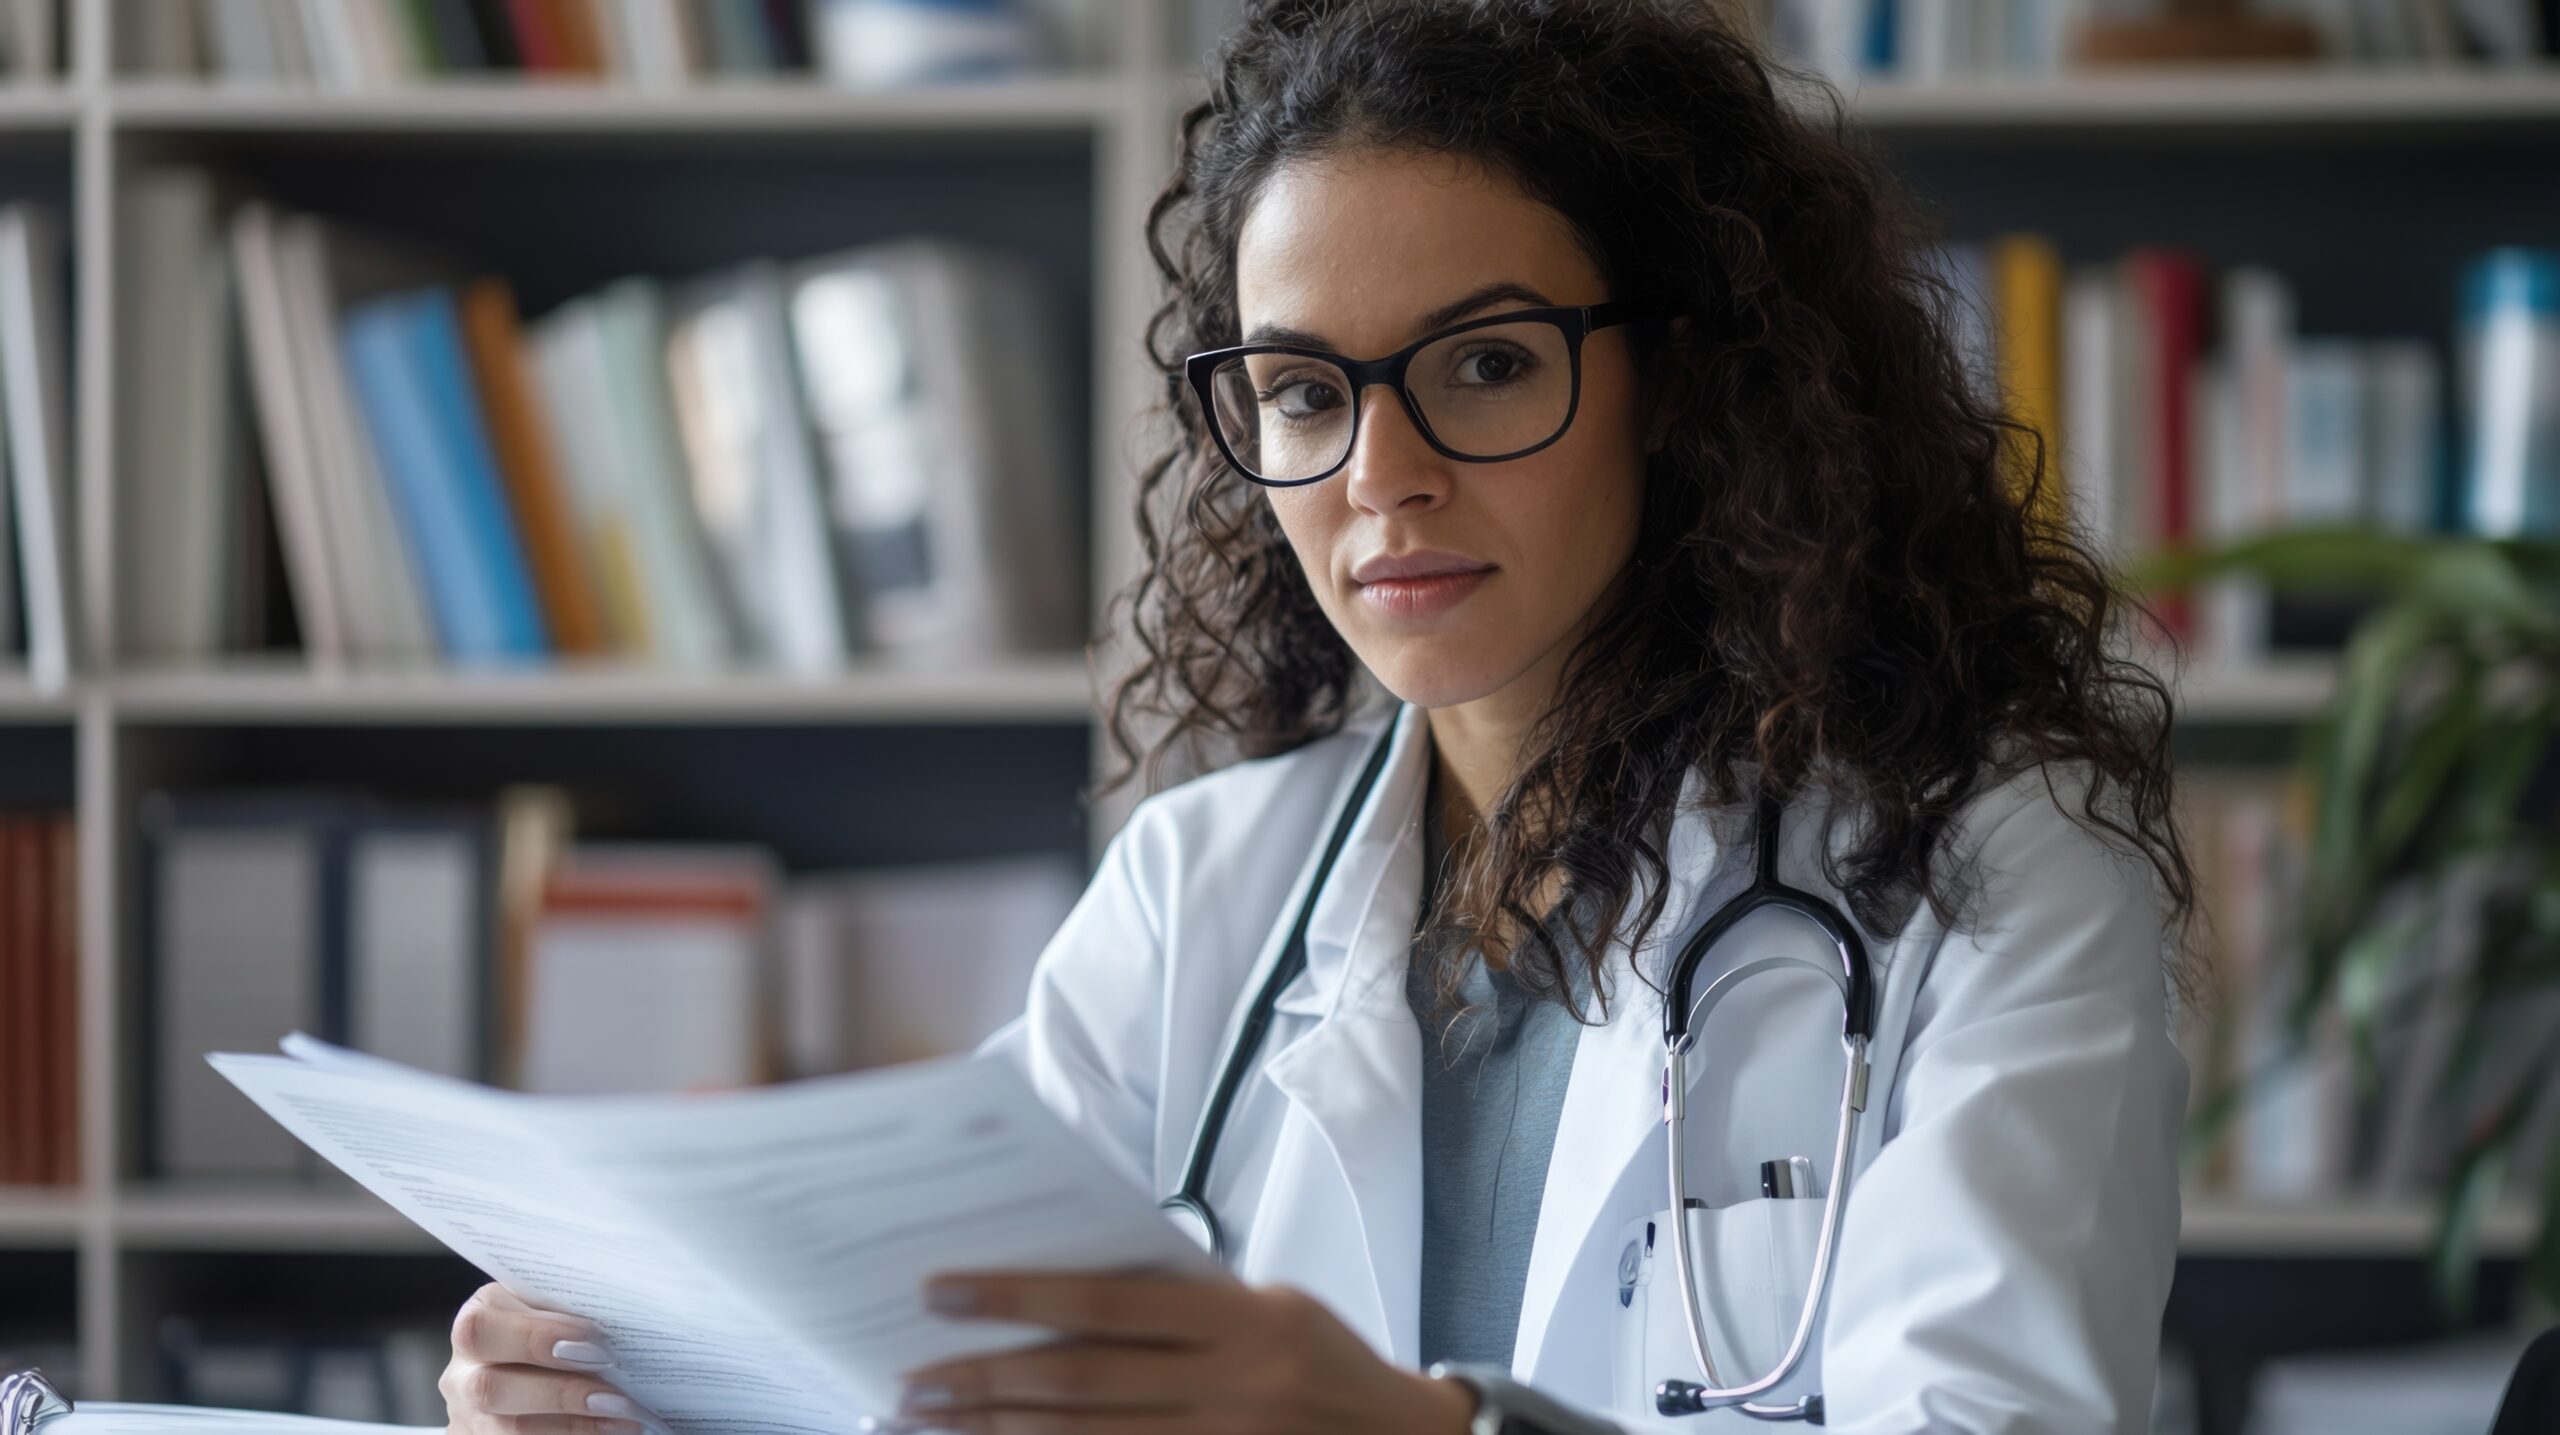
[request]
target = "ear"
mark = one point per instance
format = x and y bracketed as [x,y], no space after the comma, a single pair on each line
[1658,430]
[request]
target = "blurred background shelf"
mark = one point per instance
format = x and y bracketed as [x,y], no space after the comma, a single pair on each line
[41,1220]
[2293,689]
[514,107]
[149,1217]
[2349,102]
[198,1220]
[1029,690]
[2139,104]
[2341,1228]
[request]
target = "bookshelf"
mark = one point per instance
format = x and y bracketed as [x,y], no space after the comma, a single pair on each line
[1059,167]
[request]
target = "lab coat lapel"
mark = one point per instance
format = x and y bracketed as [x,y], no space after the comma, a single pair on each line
[1612,1101]
[1357,1073]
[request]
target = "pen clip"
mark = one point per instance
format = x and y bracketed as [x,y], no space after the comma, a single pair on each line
[1787,1178]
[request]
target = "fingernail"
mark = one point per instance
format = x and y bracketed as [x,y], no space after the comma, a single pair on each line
[950,1299]
[925,1397]
[582,1352]
[606,1402]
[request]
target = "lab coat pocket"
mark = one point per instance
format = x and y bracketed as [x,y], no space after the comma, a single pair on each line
[1754,1263]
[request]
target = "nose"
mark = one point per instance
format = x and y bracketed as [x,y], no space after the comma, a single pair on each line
[1392,468]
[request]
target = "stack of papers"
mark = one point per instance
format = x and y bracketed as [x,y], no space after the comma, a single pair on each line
[755,1257]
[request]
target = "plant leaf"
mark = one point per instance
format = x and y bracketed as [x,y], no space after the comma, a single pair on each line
[2358,558]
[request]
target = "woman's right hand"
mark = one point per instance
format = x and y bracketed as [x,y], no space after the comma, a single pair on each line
[522,1370]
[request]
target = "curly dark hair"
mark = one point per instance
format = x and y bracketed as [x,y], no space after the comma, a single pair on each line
[1844,574]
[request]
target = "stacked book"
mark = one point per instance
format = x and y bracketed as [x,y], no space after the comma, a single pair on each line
[362,45]
[490,941]
[39,995]
[789,465]
[2182,407]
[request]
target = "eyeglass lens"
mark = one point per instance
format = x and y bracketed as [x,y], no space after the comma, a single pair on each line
[1484,393]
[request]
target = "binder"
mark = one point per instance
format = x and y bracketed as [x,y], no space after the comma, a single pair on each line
[28,1402]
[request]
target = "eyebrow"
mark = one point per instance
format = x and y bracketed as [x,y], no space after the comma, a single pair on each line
[1445,315]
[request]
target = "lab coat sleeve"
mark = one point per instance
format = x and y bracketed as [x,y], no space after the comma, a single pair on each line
[2005,1258]
[1088,1035]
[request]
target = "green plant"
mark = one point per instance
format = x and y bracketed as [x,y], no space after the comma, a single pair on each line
[2431,759]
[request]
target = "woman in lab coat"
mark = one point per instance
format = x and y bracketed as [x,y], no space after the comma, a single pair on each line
[1778,545]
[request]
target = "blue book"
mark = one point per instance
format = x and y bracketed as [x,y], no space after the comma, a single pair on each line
[472,466]
[1882,36]
[405,356]
[2511,342]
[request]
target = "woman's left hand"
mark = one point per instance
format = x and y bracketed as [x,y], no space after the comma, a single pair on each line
[1161,1354]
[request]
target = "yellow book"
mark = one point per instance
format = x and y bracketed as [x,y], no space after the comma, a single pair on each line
[2026,276]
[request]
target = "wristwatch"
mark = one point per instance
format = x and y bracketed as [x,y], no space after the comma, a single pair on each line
[1504,1406]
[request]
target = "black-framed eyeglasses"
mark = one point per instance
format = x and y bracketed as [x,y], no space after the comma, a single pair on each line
[1500,387]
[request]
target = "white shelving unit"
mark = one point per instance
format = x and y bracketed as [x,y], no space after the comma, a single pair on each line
[2221,1226]
[119,721]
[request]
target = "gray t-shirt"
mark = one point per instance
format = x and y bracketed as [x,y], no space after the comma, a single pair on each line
[1493,1080]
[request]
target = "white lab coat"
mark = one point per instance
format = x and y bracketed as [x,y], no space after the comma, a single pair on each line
[2004,1255]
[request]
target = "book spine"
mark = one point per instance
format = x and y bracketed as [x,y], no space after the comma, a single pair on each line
[430,517]
[2027,273]
[462,444]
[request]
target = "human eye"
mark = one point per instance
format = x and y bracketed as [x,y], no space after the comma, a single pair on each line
[1299,393]
[1492,365]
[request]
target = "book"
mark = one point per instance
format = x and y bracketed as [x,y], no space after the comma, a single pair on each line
[419,891]
[902,963]
[647,971]
[2509,366]
[2087,443]
[2167,286]
[754,469]
[526,459]
[603,370]
[262,913]
[320,264]
[185,461]
[754,1257]
[405,353]
[568,366]
[32,359]
[232,933]
[287,430]
[2027,274]
[891,42]
[928,379]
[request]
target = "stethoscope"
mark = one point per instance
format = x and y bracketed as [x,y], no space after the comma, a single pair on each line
[1189,1204]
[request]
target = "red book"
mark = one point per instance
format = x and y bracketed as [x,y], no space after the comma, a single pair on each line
[536,41]
[2170,284]
[64,902]
[21,1016]
[27,892]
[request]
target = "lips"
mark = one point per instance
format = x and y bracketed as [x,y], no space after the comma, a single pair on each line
[1418,585]
[1420,563]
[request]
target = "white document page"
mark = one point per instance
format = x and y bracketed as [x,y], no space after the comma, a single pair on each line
[755,1257]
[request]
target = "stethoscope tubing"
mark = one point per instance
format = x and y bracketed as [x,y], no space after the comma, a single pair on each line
[1189,1202]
